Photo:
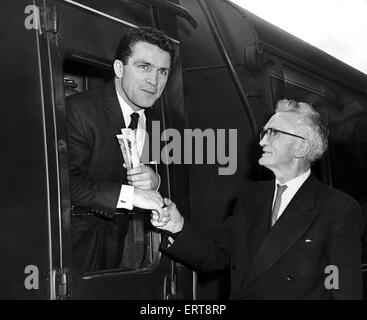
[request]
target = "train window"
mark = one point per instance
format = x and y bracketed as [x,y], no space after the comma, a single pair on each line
[80,77]
[141,243]
[348,156]
[136,12]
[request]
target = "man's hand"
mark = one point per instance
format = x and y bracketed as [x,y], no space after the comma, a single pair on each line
[148,199]
[171,219]
[143,177]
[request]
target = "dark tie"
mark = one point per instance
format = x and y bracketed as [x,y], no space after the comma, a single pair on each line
[277,202]
[134,121]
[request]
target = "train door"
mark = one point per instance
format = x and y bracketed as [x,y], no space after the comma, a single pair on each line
[28,187]
[80,56]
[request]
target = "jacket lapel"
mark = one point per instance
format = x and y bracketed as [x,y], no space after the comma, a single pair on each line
[114,116]
[294,221]
[113,109]
[259,221]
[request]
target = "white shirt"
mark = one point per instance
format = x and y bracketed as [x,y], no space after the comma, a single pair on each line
[292,188]
[127,192]
[140,130]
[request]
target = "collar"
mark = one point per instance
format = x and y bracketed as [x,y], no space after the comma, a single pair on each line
[127,110]
[295,183]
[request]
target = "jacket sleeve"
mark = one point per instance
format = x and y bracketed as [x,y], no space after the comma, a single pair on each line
[344,253]
[98,197]
[203,253]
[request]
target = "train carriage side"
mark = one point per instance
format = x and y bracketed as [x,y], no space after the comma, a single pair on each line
[235,67]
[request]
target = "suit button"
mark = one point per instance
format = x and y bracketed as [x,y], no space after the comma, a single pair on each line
[233,267]
[290,277]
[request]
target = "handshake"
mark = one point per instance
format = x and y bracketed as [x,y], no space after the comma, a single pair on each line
[165,215]
[169,220]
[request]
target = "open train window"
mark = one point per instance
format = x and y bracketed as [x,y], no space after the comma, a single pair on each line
[141,243]
[80,76]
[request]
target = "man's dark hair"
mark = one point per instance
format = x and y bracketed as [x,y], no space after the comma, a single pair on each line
[146,34]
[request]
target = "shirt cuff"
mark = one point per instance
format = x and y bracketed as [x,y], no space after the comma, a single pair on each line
[126,197]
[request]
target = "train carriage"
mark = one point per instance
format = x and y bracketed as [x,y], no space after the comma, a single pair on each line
[231,69]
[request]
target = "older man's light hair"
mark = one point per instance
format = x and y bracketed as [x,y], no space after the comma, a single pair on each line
[311,120]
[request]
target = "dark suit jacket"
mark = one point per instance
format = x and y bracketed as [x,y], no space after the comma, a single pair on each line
[96,174]
[321,226]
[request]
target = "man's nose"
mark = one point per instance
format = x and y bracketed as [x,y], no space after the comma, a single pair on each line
[264,141]
[153,77]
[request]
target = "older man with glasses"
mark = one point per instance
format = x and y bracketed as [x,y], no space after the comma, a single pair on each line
[290,238]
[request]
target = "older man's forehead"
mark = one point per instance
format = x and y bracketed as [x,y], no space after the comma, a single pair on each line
[283,120]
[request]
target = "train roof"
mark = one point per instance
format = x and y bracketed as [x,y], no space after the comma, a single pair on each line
[273,39]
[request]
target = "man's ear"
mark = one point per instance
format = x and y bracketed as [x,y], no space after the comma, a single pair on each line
[118,67]
[303,149]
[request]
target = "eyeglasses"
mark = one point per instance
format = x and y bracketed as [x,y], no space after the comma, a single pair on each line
[271,133]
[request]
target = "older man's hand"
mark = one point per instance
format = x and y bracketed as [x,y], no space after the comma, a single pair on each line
[171,220]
